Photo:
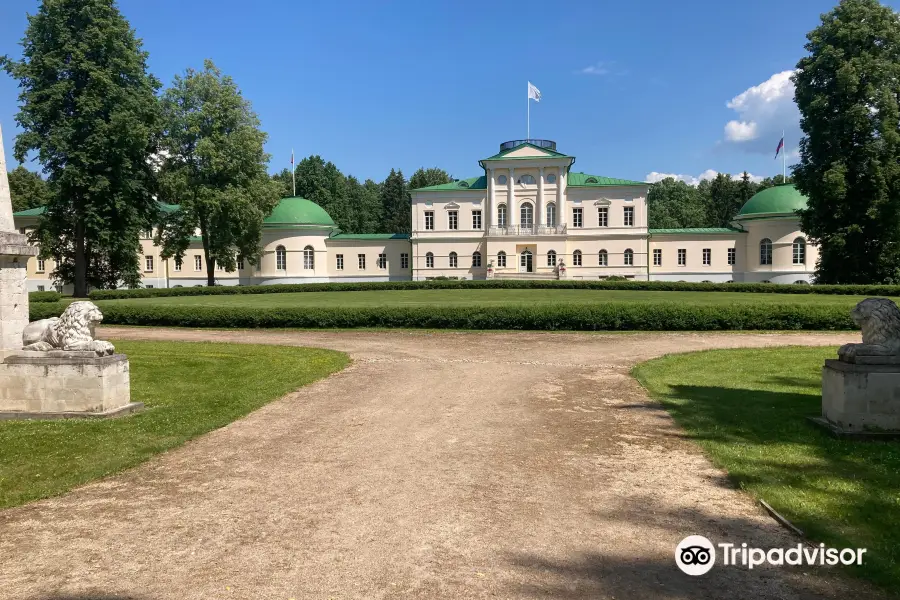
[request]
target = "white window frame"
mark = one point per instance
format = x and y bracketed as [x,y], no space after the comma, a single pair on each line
[501,259]
[429,220]
[526,214]
[576,258]
[476,259]
[476,219]
[178,264]
[453,220]
[799,248]
[41,265]
[280,258]
[628,216]
[707,257]
[453,260]
[404,260]
[382,261]
[309,258]
[551,258]
[502,215]
[198,262]
[148,263]
[603,216]
[732,256]
[603,258]
[339,262]
[551,214]
[765,251]
[682,257]
[657,257]
[361,262]
[429,260]
[628,257]
[578,217]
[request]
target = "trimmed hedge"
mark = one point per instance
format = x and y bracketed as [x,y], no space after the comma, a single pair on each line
[44,297]
[644,316]
[676,286]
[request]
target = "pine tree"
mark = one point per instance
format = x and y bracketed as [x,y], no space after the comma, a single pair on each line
[89,110]
[847,91]
[396,203]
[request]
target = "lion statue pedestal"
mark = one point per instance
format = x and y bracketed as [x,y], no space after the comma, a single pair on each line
[63,372]
[861,389]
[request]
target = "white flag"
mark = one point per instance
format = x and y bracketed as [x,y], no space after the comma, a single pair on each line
[533,92]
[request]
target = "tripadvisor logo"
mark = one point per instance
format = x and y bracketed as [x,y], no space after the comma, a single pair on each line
[696,555]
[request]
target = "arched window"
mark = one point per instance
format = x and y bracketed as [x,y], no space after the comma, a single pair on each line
[551,258]
[429,260]
[501,259]
[799,251]
[501,215]
[629,257]
[527,179]
[476,259]
[765,251]
[576,258]
[527,215]
[501,180]
[454,261]
[309,258]
[280,258]
[604,258]
[551,215]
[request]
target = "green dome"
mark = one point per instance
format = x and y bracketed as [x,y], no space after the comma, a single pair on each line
[778,200]
[298,212]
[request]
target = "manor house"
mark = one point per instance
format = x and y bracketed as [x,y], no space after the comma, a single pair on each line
[527,215]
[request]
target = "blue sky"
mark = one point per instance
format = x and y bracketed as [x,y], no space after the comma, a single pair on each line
[632,89]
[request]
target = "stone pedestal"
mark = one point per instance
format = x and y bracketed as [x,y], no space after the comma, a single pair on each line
[14,254]
[60,384]
[861,400]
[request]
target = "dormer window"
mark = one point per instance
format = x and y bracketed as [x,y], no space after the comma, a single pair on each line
[526,179]
[463,184]
[591,180]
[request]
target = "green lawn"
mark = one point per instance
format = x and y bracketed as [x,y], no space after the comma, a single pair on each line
[748,409]
[188,388]
[473,297]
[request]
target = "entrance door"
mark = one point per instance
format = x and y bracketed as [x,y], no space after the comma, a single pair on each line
[525,262]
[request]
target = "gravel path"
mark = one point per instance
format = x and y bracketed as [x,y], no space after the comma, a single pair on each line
[438,465]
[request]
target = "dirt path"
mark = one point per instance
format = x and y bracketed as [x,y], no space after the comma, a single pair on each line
[439,465]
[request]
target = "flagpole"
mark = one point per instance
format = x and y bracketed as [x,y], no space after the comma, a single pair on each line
[783,159]
[293,173]
[528,102]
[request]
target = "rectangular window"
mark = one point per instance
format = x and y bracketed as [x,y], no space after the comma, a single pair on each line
[657,257]
[501,259]
[682,257]
[149,287]
[41,265]
[629,216]
[177,264]
[382,261]
[453,219]
[361,258]
[707,257]
[732,256]
[198,262]
[429,260]
[476,219]
[577,217]
[41,288]
[404,260]
[603,216]
[476,259]
[148,235]
[429,219]
[148,264]
[340,262]
[240,264]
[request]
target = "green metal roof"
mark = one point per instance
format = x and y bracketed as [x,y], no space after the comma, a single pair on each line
[547,153]
[779,200]
[370,236]
[31,212]
[298,212]
[584,180]
[697,231]
[472,183]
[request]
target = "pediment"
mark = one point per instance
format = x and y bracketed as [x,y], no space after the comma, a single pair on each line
[451,206]
[528,151]
[603,202]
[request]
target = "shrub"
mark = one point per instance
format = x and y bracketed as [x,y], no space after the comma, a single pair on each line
[644,316]
[450,284]
[44,297]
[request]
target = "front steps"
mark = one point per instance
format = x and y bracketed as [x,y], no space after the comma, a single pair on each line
[548,276]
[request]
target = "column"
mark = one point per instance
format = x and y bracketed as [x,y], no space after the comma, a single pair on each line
[541,217]
[511,201]
[561,212]
[491,205]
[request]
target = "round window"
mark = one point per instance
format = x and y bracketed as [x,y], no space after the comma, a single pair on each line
[551,178]
[501,180]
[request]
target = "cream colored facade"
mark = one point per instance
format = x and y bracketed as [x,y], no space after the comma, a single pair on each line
[528,216]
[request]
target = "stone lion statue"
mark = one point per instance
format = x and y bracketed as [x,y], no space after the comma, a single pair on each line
[879,319]
[74,330]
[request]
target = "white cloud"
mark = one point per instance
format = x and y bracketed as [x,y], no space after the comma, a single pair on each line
[656,176]
[600,68]
[763,112]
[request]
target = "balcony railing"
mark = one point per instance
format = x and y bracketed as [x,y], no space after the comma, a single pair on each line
[528,230]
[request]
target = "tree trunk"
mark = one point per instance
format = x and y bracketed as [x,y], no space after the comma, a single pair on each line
[80,282]
[210,266]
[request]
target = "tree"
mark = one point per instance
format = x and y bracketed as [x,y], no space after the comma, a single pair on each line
[285,182]
[365,206]
[674,204]
[89,110]
[396,203]
[722,199]
[847,91]
[215,165]
[425,177]
[28,189]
